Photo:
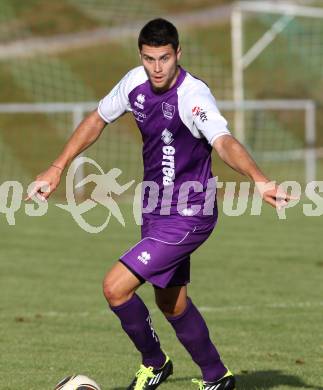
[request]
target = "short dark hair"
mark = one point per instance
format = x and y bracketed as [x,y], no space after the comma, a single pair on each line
[158,32]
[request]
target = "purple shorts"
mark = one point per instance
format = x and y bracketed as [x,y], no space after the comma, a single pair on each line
[162,257]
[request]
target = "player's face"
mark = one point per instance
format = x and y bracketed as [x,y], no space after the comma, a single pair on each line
[161,66]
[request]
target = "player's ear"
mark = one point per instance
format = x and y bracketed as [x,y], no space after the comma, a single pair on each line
[179,53]
[140,53]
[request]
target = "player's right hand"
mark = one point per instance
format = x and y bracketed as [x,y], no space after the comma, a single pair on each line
[45,183]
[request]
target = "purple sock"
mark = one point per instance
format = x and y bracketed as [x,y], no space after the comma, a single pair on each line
[192,332]
[136,322]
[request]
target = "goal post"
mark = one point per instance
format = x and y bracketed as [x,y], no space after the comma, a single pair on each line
[275,150]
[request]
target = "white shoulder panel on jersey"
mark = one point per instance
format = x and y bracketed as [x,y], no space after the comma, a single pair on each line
[116,102]
[198,110]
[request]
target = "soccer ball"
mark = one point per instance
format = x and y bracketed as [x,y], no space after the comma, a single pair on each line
[77,382]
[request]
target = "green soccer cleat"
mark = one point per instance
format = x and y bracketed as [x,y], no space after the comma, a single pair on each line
[149,378]
[227,382]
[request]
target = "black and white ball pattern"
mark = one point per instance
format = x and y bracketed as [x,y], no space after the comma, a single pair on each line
[77,382]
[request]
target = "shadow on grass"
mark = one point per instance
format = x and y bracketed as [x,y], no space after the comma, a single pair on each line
[270,379]
[170,380]
[255,381]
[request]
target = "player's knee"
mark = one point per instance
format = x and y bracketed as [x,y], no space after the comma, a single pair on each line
[113,294]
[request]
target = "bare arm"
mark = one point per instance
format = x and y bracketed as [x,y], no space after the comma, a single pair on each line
[87,132]
[234,154]
[237,157]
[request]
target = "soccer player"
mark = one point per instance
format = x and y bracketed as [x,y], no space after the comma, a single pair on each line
[180,124]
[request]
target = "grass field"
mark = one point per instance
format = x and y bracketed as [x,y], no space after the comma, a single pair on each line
[257,280]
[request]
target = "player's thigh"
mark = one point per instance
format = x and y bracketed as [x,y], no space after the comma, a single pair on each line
[119,284]
[171,301]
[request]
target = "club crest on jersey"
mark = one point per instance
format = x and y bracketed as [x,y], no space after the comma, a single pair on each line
[167,137]
[198,111]
[140,101]
[168,110]
[144,257]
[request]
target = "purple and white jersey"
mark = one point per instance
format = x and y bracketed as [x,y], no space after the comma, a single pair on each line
[178,127]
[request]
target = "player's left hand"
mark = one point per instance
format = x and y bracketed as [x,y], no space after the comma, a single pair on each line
[274,194]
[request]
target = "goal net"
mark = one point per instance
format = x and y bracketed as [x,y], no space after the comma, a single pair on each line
[278,54]
[276,132]
[281,138]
